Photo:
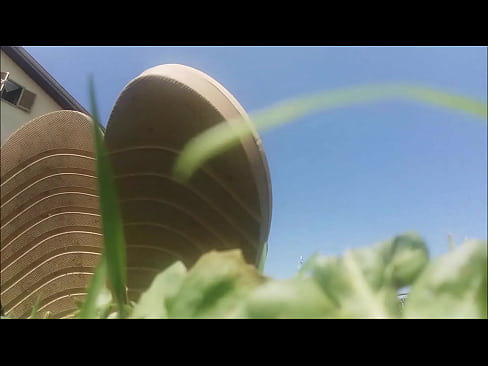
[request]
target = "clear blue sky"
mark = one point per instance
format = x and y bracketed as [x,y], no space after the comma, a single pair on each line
[345,178]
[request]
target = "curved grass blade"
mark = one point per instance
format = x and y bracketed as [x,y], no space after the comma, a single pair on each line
[113,234]
[223,136]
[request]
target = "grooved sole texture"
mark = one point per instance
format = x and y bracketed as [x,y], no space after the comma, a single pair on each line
[226,204]
[50,224]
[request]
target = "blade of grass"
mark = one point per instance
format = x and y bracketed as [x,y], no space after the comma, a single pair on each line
[223,136]
[89,308]
[262,259]
[35,308]
[113,234]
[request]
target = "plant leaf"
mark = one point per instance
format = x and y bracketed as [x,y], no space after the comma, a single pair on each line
[363,282]
[452,286]
[113,234]
[292,298]
[225,135]
[164,287]
[407,258]
[215,286]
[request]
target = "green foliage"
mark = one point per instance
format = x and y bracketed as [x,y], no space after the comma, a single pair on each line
[291,298]
[154,302]
[452,286]
[215,286]
[362,283]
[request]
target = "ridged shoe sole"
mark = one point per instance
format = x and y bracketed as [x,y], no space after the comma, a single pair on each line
[226,204]
[50,223]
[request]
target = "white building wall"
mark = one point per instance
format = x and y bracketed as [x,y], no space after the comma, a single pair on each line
[12,117]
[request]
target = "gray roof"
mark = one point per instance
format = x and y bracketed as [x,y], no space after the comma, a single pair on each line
[32,68]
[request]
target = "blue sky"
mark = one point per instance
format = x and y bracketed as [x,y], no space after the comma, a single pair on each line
[345,178]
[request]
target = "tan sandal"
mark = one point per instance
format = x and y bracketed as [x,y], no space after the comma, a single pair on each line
[50,224]
[226,204]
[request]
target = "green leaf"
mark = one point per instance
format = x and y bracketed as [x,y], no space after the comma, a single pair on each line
[408,258]
[352,285]
[164,287]
[364,282]
[215,286]
[292,298]
[113,234]
[452,286]
[225,135]
[329,273]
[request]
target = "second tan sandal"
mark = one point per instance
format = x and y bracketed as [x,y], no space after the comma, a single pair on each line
[227,204]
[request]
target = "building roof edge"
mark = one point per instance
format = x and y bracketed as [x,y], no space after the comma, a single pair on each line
[32,68]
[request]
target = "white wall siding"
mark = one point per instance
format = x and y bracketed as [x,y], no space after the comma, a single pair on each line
[12,117]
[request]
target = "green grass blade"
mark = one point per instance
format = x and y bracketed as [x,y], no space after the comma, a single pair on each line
[262,259]
[113,234]
[446,100]
[97,284]
[223,136]
[35,308]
